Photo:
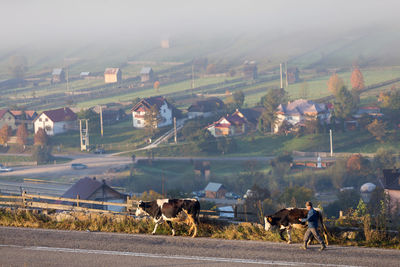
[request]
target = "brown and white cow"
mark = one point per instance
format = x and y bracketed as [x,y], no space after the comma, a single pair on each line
[171,210]
[288,218]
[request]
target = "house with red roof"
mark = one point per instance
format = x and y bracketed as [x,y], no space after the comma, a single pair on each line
[297,112]
[56,121]
[229,125]
[144,105]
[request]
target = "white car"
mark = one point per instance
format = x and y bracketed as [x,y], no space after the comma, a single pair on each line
[5,169]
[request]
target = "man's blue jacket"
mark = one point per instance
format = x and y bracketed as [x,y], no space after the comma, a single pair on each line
[312,218]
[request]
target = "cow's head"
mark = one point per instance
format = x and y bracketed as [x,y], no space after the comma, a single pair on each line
[269,223]
[140,210]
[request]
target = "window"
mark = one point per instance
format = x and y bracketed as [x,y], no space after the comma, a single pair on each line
[46,119]
[40,119]
[138,121]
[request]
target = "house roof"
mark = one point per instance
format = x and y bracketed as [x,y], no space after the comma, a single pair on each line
[85,188]
[30,114]
[85,73]
[111,71]
[147,103]
[146,70]
[207,105]
[213,187]
[252,114]
[237,118]
[301,107]
[57,71]
[61,114]
[2,112]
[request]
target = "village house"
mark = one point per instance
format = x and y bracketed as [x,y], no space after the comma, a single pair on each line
[7,118]
[85,74]
[112,75]
[390,182]
[56,121]
[215,190]
[300,110]
[250,70]
[205,107]
[165,43]
[230,125]
[58,75]
[93,189]
[372,111]
[144,105]
[24,116]
[110,115]
[146,74]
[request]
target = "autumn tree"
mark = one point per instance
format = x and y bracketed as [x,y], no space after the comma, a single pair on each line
[356,163]
[211,69]
[22,134]
[335,83]
[5,133]
[235,101]
[270,102]
[357,80]
[156,85]
[151,120]
[377,129]
[40,138]
[344,103]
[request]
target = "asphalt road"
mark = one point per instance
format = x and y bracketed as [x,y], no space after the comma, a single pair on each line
[39,247]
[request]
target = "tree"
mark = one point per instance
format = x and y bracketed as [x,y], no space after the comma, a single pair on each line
[151,120]
[41,154]
[207,142]
[270,101]
[296,196]
[238,98]
[357,80]
[22,134]
[93,117]
[335,83]
[344,103]
[377,129]
[226,145]
[5,133]
[40,138]
[17,66]
[211,69]
[384,159]
[156,85]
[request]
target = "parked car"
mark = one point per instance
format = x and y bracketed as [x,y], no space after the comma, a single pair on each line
[200,193]
[5,169]
[99,151]
[231,195]
[78,166]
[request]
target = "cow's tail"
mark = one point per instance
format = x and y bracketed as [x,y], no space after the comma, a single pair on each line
[324,229]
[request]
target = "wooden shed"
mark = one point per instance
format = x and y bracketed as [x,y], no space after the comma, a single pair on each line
[146,74]
[215,190]
[58,76]
[112,75]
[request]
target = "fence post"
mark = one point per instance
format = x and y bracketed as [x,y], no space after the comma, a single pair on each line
[23,198]
[77,200]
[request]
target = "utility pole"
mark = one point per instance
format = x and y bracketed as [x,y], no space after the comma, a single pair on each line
[84,134]
[175,139]
[101,120]
[330,135]
[280,65]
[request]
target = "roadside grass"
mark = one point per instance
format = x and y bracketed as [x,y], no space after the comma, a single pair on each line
[208,227]
[9,159]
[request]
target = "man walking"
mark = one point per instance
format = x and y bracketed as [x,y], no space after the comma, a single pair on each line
[312,219]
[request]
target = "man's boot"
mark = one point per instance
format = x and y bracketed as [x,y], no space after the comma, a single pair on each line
[322,246]
[304,246]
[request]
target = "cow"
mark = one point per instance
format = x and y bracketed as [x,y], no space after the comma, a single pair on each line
[288,218]
[171,210]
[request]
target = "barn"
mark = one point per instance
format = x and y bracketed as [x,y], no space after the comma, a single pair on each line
[112,75]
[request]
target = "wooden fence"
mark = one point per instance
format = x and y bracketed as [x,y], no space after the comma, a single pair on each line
[60,203]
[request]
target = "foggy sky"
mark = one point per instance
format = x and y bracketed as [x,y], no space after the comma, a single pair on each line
[40,21]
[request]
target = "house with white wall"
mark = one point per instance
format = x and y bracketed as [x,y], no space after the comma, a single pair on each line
[56,121]
[144,105]
[299,111]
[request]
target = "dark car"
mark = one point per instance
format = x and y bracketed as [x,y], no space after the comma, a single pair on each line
[99,151]
[78,166]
